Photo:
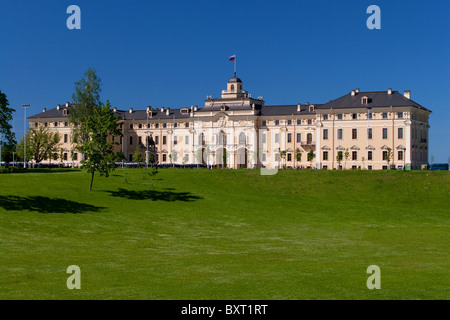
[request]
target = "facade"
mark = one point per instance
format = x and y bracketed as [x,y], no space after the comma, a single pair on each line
[370,130]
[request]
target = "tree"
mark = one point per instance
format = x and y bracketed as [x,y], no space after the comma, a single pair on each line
[100,155]
[346,157]
[298,155]
[283,156]
[389,155]
[339,158]
[6,132]
[311,157]
[85,98]
[41,144]
[137,157]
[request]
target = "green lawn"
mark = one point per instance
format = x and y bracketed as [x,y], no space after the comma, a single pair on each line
[225,234]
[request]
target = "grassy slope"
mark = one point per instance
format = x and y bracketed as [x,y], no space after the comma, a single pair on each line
[199,234]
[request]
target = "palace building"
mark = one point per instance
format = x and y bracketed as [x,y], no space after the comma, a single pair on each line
[360,130]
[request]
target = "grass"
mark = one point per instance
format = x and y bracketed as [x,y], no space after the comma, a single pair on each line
[225,234]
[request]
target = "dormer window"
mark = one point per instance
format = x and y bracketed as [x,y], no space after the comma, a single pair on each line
[65,112]
[364,100]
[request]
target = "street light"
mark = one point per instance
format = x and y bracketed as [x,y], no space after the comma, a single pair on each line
[25,106]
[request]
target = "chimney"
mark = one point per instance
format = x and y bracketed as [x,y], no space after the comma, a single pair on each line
[149,109]
[167,111]
[299,106]
[44,110]
[162,109]
[353,92]
[67,104]
[357,90]
[131,110]
[195,108]
[407,94]
[114,109]
[57,107]
[389,91]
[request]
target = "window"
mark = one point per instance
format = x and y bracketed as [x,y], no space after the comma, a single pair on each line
[309,138]
[232,87]
[354,116]
[242,138]
[156,125]
[131,126]
[75,156]
[340,116]
[164,140]
[325,134]
[140,126]
[66,138]
[339,134]
[364,100]
[289,122]
[55,124]
[400,115]
[325,117]
[175,140]
[277,122]
[309,121]
[354,133]
[289,157]
[175,125]
[299,122]
[35,124]
[299,137]
[131,141]
[157,158]
[264,138]
[400,133]
[385,133]
[370,115]
[46,124]
[369,133]
[156,139]
[65,156]
[325,155]
[354,155]
[186,125]
[289,137]
[385,115]
[186,140]
[400,155]
[164,125]
[164,157]
[264,123]
[369,155]
[385,155]
[277,137]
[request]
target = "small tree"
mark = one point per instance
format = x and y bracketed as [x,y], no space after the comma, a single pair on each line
[283,156]
[100,153]
[311,157]
[346,157]
[298,155]
[137,157]
[41,144]
[389,155]
[339,158]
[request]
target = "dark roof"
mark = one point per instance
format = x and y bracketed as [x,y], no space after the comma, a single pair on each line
[375,99]
[234,79]
[156,114]
[53,113]
[286,110]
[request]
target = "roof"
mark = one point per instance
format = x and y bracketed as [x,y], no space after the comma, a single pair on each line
[234,79]
[375,99]
[53,113]
[286,110]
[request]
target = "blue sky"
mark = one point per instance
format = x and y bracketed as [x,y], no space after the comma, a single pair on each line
[175,53]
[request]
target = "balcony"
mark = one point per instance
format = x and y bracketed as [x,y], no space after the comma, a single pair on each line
[308,143]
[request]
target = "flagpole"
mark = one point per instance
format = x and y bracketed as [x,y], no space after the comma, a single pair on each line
[235,65]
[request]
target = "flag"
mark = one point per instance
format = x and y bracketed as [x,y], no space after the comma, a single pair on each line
[232,58]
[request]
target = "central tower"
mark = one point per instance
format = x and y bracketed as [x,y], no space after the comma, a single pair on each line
[234,89]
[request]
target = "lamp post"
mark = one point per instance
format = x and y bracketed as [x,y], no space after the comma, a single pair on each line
[25,106]
[146,142]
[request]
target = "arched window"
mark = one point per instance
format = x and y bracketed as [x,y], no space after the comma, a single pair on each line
[309,138]
[201,139]
[242,138]
[232,87]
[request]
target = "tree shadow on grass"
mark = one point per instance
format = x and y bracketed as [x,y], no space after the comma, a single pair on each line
[45,205]
[154,195]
